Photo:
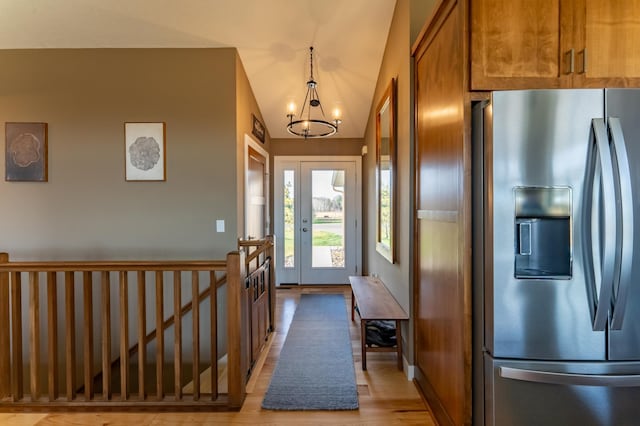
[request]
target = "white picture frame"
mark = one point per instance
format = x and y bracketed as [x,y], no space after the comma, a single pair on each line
[145,158]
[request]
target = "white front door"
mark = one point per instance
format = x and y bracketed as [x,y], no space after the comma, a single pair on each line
[317,207]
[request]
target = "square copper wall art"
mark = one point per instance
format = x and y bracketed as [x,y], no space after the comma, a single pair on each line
[25,152]
[144,151]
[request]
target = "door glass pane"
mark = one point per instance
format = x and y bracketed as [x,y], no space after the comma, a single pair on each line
[289,221]
[327,188]
[384,220]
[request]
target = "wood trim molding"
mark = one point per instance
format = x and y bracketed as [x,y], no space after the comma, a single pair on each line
[432,26]
[431,400]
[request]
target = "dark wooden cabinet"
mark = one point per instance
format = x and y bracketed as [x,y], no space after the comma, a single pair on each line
[528,44]
[259,303]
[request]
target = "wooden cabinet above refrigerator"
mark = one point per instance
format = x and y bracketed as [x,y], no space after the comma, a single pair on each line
[535,44]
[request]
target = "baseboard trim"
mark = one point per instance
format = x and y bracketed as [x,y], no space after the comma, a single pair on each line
[409,370]
[431,399]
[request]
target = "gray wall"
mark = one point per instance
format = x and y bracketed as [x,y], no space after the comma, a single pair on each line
[86,210]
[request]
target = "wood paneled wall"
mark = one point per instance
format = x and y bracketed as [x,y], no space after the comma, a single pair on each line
[443,289]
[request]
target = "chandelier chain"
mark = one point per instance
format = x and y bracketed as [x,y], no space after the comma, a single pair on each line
[311,55]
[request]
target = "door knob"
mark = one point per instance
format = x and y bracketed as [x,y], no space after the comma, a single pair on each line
[305,229]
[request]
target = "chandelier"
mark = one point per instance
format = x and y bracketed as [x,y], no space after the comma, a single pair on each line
[310,125]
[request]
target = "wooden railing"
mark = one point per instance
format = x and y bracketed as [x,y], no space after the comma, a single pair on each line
[79,315]
[260,294]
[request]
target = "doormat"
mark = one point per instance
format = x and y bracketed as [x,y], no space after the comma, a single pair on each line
[315,369]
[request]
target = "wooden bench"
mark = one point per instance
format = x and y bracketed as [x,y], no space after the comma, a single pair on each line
[375,303]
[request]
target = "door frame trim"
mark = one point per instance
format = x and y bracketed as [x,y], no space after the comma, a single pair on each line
[279,159]
[251,142]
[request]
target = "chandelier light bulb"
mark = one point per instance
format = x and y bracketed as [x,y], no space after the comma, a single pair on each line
[291,108]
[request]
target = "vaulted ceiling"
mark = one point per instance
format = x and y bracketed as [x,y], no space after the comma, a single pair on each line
[272,37]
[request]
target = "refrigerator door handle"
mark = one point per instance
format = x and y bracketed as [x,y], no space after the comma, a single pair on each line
[591,249]
[603,303]
[626,200]
[613,380]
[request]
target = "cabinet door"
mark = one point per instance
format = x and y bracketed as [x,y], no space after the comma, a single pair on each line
[519,44]
[442,292]
[607,35]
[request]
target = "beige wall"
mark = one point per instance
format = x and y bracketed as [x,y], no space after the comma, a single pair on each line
[245,107]
[87,210]
[421,10]
[396,64]
[328,146]
[409,15]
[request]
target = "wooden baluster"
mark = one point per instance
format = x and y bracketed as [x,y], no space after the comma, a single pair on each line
[272,282]
[159,335]
[34,333]
[177,328]
[5,333]
[124,335]
[87,343]
[142,332]
[52,322]
[195,307]
[236,273]
[11,363]
[16,336]
[213,334]
[69,335]
[106,336]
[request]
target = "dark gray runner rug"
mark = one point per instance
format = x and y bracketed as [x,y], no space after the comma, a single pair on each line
[315,370]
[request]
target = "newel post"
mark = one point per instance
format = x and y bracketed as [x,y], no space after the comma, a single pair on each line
[272,282]
[5,338]
[236,273]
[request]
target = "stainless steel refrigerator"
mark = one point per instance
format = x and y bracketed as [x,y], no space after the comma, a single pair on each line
[556,205]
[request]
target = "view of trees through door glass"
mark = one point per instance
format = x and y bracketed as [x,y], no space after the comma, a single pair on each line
[289,219]
[327,218]
[327,221]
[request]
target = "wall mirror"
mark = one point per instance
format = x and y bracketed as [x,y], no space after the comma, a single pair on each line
[386,173]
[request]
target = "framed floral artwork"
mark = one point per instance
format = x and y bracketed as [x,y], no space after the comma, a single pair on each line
[145,158]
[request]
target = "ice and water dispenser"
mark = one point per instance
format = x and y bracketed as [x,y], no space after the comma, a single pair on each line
[543,233]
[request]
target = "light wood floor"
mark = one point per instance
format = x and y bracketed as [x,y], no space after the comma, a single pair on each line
[386,397]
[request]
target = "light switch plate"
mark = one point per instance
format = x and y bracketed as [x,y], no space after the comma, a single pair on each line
[220,225]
